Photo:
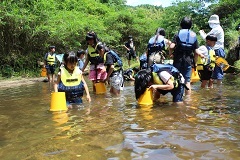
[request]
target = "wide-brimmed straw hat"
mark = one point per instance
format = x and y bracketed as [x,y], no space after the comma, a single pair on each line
[214,19]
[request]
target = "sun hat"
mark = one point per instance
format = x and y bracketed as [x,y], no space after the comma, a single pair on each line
[214,19]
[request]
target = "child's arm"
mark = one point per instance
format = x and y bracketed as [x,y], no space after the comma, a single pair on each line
[85,63]
[56,83]
[109,72]
[168,86]
[86,89]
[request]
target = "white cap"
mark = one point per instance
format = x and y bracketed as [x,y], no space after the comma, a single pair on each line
[214,19]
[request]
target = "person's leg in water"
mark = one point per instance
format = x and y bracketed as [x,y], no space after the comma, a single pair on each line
[51,74]
[204,83]
[178,94]
[116,83]
[186,71]
[93,86]
[210,84]
[48,73]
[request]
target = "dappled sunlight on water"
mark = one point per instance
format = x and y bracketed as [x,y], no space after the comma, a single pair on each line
[110,127]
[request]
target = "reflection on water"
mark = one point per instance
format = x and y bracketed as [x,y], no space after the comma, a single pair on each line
[206,127]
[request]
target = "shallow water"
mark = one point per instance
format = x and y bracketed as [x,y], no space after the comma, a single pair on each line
[116,128]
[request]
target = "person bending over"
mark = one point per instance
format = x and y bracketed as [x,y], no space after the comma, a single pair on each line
[162,78]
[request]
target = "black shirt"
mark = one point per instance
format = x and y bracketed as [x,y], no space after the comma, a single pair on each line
[109,61]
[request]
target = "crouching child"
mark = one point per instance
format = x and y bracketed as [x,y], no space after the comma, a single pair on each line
[162,78]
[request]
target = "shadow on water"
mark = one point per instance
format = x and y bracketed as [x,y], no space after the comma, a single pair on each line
[205,127]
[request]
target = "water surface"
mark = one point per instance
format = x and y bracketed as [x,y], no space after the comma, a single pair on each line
[116,128]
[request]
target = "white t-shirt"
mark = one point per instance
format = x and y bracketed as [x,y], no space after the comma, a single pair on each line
[203,49]
[165,76]
[219,33]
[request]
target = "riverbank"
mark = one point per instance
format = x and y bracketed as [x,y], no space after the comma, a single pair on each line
[15,82]
[18,81]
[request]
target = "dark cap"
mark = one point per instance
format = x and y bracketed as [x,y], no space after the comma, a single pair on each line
[51,47]
[100,46]
[91,35]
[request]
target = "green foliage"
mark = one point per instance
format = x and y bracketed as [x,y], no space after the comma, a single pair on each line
[30,26]
[237,64]
[7,71]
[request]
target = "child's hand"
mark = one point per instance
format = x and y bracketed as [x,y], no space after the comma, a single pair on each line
[88,98]
[201,31]
[154,87]
[106,81]
[201,55]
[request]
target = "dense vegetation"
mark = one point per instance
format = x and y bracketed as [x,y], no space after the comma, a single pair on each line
[28,27]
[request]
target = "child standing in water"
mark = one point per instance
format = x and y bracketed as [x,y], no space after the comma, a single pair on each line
[97,69]
[216,30]
[71,81]
[49,63]
[205,66]
[81,54]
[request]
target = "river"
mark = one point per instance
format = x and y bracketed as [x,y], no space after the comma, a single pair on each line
[206,127]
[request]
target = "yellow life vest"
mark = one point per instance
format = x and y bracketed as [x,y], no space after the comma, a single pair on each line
[200,63]
[212,56]
[71,80]
[210,60]
[93,55]
[92,51]
[51,59]
[157,80]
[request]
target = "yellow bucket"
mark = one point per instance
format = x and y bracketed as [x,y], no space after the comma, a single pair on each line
[100,88]
[58,101]
[44,72]
[146,98]
[195,77]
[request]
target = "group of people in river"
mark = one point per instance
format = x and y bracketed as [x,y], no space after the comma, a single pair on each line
[106,65]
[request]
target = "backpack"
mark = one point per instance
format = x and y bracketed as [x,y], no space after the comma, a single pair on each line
[166,67]
[170,69]
[116,57]
[143,61]
[154,46]
[209,63]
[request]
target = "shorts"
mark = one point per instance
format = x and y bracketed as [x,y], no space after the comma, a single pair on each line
[116,81]
[205,74]
[74,101]
[185,69]
[98,73]
[131,54]
[178,94]
[50,69]
[218,71]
